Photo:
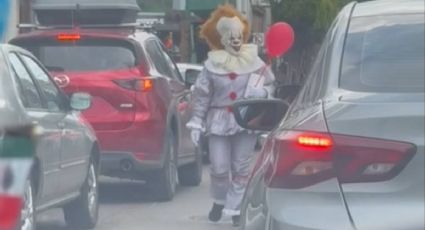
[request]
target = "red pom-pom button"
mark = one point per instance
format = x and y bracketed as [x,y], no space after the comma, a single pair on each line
[233,96]
[232,76]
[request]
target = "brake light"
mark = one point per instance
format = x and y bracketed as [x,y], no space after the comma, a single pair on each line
[68,37]
[304,159]
[142,85]
[315,141]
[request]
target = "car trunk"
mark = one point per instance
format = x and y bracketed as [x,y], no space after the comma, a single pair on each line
[390,121]
[93,65]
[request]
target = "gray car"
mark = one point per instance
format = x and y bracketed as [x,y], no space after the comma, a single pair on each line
[66,163]
[349,153]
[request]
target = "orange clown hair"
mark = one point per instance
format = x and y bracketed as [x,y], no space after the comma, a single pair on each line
[209,31]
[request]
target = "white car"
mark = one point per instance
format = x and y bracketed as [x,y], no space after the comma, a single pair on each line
[189,70]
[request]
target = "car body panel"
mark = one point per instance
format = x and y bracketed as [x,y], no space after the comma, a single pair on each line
[323,106]
[400,198]
[56,130]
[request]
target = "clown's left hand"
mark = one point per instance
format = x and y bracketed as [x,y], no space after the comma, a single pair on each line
[253,92]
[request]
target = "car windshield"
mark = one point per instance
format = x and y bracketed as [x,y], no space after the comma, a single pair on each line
[384,54]
[84,56]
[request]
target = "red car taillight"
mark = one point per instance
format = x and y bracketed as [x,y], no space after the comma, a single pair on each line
[302,159]
[142,85]
[65,37]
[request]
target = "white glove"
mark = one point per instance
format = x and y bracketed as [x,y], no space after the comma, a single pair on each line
[195,134]
[252,92]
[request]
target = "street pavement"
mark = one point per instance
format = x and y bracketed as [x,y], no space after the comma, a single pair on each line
[129,205]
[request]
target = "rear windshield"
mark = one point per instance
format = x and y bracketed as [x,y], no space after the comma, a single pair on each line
[384,54]
[83,56]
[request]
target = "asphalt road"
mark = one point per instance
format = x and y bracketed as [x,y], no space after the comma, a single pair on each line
[128,205]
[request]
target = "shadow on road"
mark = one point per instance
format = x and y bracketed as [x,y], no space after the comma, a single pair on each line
[124,191]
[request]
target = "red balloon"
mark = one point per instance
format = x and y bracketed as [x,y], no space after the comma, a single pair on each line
[279,39]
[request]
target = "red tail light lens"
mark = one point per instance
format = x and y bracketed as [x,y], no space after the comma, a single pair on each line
[142,85]
[303,159]
[315,141]
[68,37]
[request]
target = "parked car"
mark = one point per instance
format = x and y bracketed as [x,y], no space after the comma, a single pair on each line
[66,148]
[349,152]
[140,101]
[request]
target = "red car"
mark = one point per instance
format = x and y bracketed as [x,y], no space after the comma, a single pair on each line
[140,101]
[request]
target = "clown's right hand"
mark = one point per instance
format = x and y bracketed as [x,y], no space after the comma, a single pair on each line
[195,134]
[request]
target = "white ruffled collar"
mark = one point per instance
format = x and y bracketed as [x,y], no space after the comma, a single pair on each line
[222,62]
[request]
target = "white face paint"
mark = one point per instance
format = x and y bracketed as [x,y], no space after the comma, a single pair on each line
[231,31]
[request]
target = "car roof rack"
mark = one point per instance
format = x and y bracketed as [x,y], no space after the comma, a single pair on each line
[134,26]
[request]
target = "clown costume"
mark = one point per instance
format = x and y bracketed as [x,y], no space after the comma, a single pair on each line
[225,79]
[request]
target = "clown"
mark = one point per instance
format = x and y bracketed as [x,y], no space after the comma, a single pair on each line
[227,77]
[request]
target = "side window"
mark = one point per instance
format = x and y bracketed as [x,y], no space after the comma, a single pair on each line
[52,95]
[312,90]
[158,60]
[173,68]
[27,89]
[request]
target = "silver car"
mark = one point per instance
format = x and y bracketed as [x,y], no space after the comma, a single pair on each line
[349,153]
[66,163]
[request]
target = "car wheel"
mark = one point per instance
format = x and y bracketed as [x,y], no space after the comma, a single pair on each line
[165,182]
[191,174]
[83,212]
[27,211]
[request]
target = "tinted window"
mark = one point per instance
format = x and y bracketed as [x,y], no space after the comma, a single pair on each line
[385,54]
[27,89]
[158,59]
[51,94]
[84,56]
[172,66]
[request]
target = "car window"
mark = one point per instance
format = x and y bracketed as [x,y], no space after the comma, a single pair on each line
[157,58]
[374,63]
[87,55]
[52,95]
[312,88]
[173,68]
[26,87]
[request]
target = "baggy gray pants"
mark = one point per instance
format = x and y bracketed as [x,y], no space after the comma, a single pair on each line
[230,158]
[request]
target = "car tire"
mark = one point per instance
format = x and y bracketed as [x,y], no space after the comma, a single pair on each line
[28,208]
[191,174]
[164,183]
[83,212]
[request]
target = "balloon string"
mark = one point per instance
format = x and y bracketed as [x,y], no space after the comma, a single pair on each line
[269,63]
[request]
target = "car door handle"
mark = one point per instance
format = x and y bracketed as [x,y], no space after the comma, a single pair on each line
[61,125]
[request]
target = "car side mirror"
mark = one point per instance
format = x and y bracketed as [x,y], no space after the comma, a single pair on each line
[191,77]
[260,114]
[80,101]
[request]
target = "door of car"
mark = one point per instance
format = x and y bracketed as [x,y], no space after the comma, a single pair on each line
[49,143]
[180,94]
[73,150]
